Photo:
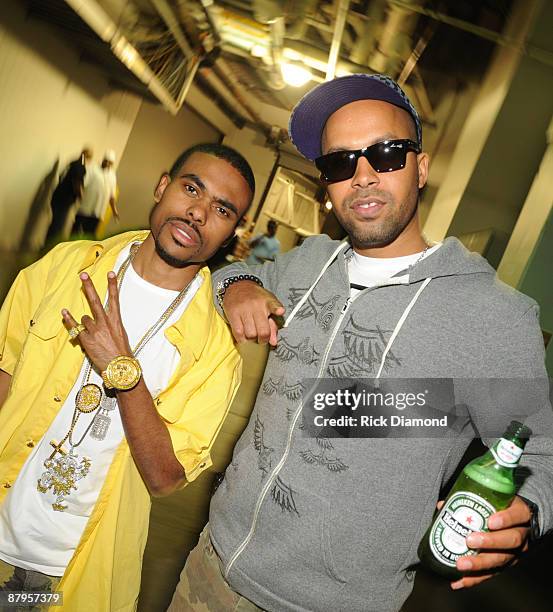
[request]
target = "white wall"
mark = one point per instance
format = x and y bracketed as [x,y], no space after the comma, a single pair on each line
[51,104]
[252,146]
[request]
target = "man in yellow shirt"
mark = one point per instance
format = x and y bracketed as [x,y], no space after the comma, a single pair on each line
[116,374]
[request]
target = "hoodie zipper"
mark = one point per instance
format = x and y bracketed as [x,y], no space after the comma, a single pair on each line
[349,301]
[284,457]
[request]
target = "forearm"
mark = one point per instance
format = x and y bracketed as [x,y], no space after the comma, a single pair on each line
[113,207]
[149,441]
[5,380]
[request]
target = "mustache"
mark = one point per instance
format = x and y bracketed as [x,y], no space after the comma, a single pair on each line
[377,194]
[191,225]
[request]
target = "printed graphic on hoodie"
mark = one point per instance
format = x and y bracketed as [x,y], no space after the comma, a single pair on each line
[324,456]
[293,391]
[303,352]
[283,495]
[321,309]
[363,350]
[265,460]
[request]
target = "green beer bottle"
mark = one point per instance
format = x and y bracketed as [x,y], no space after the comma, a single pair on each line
[486,485]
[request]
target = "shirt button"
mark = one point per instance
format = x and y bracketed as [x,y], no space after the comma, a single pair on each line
[7,485]
[57,398]
[30,443]
[31,322]
[202,465]
[410,575]
[158,401]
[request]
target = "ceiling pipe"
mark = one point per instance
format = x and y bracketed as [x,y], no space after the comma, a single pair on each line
[416,53]
[170,19]
[105,28]
[423,101]
[208,73]
[368,35]
[541,55]
[398,28]
[277,29]
[213,94]
[193,66]
[208,6]
[342,7]
[318,59]
[214,77]
[224,72]
[271,12]
[300,15]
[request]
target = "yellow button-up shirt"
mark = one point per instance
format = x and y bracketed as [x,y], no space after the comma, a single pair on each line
[104,572]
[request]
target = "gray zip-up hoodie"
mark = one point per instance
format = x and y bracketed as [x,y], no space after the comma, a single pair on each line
[333,524]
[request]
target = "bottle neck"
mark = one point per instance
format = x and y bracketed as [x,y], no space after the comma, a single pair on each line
[506,452]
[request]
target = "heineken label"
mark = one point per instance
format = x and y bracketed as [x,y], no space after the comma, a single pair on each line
[506,453]
[463,513]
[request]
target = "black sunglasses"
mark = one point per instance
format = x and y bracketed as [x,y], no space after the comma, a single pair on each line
[385,156]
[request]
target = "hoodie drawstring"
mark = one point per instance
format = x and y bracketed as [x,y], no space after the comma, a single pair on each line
[399,325]
[308,292]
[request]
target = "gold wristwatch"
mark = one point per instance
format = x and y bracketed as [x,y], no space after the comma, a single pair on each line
[122,373]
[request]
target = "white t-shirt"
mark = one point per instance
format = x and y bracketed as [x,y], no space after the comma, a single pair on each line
[370,271]
[94,191]
[32,534]
[110,188]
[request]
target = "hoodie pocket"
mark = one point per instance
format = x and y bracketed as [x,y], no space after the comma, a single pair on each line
[295,527]
[372,543]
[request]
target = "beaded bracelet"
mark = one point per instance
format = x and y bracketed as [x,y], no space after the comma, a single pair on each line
[222,286]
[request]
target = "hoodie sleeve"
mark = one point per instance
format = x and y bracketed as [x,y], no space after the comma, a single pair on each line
[517,387]
[269,273]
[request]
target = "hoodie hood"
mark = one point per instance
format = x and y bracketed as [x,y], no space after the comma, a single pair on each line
[451,259]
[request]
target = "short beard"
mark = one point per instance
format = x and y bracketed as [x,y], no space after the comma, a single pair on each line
[165,256]
[174,262]
[364,237]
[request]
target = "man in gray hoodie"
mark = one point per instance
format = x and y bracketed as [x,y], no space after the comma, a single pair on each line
[318,523]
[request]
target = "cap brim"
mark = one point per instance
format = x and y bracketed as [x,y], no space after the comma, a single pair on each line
[309,117]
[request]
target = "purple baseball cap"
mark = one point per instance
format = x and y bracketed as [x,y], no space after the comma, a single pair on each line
[311,113]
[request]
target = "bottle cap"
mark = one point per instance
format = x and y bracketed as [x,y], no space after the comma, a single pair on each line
[518,430]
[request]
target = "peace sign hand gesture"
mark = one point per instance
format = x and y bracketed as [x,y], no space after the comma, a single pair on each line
[103,337]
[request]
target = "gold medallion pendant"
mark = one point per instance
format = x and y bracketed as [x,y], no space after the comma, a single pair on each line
[88,398]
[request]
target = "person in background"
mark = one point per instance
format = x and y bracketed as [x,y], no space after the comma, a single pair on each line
[67,193]
[266,246]
[100,189]
[110,177]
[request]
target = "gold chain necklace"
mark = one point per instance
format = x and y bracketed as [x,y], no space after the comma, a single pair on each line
[64,471]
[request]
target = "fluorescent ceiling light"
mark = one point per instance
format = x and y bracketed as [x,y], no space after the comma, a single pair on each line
[295,75]
[259,51]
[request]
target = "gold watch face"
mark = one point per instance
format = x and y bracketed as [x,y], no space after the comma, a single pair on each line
[123,372]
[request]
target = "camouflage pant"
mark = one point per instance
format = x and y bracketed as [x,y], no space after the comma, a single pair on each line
[22,580]
[202,588]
